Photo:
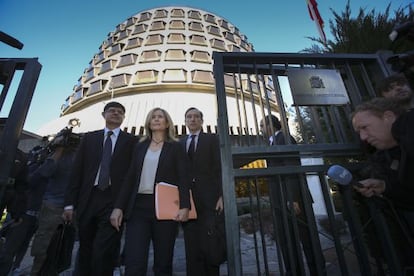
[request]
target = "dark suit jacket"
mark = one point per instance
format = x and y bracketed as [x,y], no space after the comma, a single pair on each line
[206,171]
[172,169]
[86,165]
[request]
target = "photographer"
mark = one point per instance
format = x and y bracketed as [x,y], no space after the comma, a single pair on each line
[55,170]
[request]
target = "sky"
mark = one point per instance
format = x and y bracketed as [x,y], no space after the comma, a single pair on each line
[65,35]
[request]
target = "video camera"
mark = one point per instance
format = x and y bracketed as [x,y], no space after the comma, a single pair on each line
[65,138]
[404,62]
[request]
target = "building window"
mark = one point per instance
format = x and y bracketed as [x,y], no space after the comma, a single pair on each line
[229,36]
[218,44]
[198,40]
[120,28]
[158,25]
[124,34]
[175,55]
[202,76]
[224,24]
[245,45]
[160,14]
[128,60]
[200,56]
[231,80]
[177,25]
[131,21]
[100,56]
[174,75]
[210,18]
[196,26]
[110,40]
[116,48]
[148,76]
[234,48]
[176,39]
[145,16]
[97,86]
[65,105]
[107,66]
[236,31]
[194,14]
[120,80]
[154,39]
[78,95]
[134,42]
[90,73]
[141,28]
[150,56]
[177,13]
[213,30]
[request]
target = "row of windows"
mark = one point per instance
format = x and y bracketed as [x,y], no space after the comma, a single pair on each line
[142,77]
[159,40]
[174,25]
[147,77]
[147,56]
[176,13]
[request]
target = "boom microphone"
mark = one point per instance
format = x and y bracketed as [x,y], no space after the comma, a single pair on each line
[342,176]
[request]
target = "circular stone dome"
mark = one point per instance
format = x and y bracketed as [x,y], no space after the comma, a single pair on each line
[160,57]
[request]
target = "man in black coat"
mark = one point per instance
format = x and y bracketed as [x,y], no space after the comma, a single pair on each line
[387,126]
[93,199]
[287,197]
[205,172]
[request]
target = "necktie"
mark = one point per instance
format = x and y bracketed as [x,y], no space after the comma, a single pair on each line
[191,148]
[103,180]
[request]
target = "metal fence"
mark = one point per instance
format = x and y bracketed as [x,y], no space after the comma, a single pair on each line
[257,84]
[13,124]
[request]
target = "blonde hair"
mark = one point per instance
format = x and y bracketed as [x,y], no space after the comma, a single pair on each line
[170,133]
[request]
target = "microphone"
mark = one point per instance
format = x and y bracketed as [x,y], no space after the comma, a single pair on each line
[342,176]
[401,30]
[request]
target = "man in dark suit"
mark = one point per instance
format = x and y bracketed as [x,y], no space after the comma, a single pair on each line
[286,195]
[204,157]
[92,196]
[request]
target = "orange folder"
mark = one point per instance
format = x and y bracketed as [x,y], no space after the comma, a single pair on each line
[167,202]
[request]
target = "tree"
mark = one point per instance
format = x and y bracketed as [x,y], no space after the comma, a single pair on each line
[366,33]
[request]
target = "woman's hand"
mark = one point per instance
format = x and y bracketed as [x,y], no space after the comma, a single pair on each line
[182,215]
[219,205]
[116,218]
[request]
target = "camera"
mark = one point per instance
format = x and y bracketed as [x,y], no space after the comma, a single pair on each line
[65,138]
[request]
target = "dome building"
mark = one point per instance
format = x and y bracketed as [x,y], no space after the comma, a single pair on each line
[160,57]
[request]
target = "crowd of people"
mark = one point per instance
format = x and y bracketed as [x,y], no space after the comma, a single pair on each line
[108,179]
[106,185]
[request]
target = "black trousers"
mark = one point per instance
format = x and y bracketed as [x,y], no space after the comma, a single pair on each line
[142,228]
[98,239]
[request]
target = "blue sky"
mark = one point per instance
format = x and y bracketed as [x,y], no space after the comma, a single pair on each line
[65,35]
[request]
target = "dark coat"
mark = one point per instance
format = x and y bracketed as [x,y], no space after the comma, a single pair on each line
[171,169]
[206,171]
[86,166]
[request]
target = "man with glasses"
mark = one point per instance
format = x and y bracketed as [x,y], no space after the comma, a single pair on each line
[98,172]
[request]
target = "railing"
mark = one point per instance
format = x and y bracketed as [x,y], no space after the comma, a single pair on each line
[10,133]
[260,86]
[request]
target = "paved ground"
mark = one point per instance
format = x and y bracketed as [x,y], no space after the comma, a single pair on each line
[248,258]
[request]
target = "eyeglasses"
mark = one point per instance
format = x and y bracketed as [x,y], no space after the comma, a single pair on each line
[115,110]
